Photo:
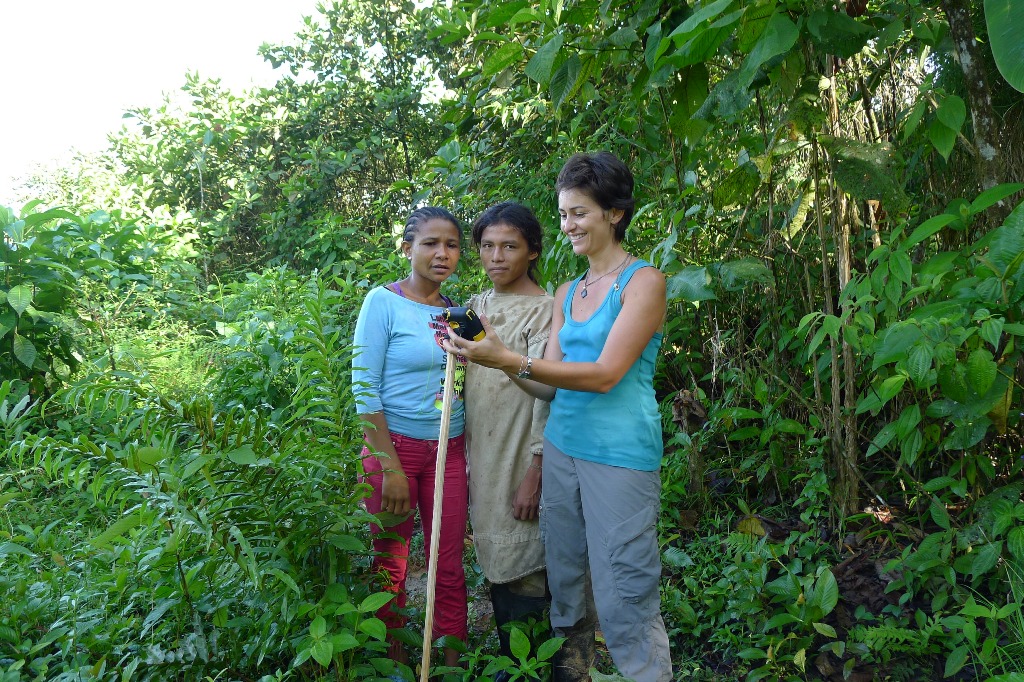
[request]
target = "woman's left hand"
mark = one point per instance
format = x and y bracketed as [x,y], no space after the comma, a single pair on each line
[489,351]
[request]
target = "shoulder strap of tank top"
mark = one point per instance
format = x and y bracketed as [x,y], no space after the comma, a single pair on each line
[623,279]
[625,275]
[567,303]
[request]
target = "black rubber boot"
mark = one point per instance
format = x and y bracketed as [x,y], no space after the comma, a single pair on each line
[574,660]
[511,607]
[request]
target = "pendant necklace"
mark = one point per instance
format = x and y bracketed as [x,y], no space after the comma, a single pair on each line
[586,283]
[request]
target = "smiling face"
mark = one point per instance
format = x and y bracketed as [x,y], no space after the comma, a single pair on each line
[434,250]
[506,257]
[589,227]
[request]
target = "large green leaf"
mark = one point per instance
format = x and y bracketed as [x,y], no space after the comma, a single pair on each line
[981,370]
[986,557]
[752,26]
[702,45]
[1005,20]
[373,602]
[1005,247]
[691,284]
[502,58]
[242,455]
[825,594]
[689,94]
[778,38]
[15,231]
[967,435]
[51,215]
[878,396]
[953,382]
[956,660]
[519,644]
[20,297]
[375,628]
[500,13]
[994,195]
[24,350]
[737,187]
[737,274]
[623,37]
[939,513]
[943,137]
[919,361]
[540,64]
[14,548]
[913,118]
[564,80]
[836,33]
[344,641]
[323,652]
[116,530]
[8,322]
[318,628]
[147,458]
[927,229]
[655,44]
[1015,543]
[686,29]
[910,447]
[894,343]
[900,267]
[952,112]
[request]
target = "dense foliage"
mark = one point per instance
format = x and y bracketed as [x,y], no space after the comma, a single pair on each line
[831,187]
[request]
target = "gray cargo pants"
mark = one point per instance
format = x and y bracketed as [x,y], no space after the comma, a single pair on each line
[606,515]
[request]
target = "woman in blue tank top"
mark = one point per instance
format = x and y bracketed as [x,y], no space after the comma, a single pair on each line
[603,444]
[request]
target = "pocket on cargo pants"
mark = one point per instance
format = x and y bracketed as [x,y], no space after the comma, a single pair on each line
[633,555]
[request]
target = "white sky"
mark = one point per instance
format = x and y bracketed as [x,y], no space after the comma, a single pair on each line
[70,68]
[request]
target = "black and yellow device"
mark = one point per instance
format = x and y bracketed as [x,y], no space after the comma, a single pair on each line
[464,322]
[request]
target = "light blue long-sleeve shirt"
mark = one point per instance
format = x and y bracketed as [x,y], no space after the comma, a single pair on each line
[399,365]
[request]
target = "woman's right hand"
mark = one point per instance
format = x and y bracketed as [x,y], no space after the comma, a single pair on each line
[395,493]
[489,351]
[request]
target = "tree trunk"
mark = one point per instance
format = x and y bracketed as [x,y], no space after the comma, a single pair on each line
[966,49]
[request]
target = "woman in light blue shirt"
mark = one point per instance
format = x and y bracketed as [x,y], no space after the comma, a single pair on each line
[398,375]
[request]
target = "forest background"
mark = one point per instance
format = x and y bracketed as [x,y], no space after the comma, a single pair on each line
[832,188]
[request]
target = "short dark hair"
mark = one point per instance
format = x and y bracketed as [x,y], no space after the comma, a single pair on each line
[522,219]
[422,215]
[605,179]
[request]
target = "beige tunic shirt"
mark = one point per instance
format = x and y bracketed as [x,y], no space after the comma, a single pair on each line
[504,428]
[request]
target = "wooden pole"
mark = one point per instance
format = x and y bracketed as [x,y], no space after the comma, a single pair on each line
[435,522]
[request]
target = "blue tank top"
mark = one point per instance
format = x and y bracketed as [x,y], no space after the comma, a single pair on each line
[622,427]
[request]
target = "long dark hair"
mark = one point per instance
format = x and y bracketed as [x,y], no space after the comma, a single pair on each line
[522,219]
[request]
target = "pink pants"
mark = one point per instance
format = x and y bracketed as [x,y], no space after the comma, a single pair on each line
[419,459]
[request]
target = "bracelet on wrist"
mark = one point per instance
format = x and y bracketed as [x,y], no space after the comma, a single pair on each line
[536,466]
[524,371]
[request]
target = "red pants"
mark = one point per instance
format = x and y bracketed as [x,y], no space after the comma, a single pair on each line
[419,459]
